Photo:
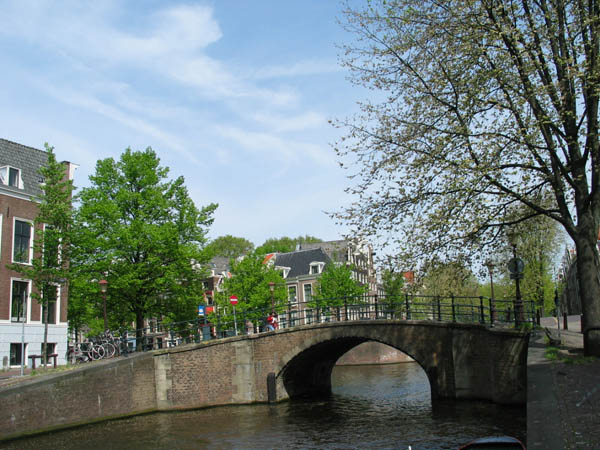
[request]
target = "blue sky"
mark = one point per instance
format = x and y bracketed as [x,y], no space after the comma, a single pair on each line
[235,95]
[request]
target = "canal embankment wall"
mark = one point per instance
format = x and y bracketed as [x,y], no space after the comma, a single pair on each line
[100,391]
[461,361]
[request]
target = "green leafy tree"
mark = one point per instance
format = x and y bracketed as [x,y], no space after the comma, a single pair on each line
[145,236]
[285,244]
[484,104]
[537,242]
[229,246]
[446,278]
[250,284]
[393,283]
[336,284]
[51,249]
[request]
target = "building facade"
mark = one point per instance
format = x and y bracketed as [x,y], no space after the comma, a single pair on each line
[21,317]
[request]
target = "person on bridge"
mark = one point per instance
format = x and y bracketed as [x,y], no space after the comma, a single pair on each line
[270,326]
[275,321]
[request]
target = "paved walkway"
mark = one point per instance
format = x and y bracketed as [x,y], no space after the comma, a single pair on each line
[563,399]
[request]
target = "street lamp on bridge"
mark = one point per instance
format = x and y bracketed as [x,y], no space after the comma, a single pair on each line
[103,288]
[272,289]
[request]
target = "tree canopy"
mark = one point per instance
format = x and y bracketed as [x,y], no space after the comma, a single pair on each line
[229,246]
[336,283]
[285,244]
[144,235]
[484,104]
[250,284]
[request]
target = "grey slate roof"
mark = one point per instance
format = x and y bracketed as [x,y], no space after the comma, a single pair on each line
[299,262]
[336,250]
[28,160]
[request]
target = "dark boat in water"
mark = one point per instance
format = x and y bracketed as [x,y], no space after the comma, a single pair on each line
[495,443]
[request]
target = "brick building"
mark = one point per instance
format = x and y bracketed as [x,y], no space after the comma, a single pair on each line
[21,317]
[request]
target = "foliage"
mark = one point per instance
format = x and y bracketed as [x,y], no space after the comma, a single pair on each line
[51,248]
[449,278]
[229,246]
[335,284]
[393,283]
[250,284]
[285,244]
[485,105]
[144,235]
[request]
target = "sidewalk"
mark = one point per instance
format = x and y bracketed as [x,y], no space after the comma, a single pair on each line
[563,399]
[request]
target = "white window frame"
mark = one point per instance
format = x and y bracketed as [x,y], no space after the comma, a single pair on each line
[28,306]
[19,176]
[31,237]
[319,266]
[293,299]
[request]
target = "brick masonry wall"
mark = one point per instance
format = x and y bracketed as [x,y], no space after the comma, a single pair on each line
[461,361]
[100,391]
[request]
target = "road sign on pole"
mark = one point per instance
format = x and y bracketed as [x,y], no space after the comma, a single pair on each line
[233,300]
[200,310]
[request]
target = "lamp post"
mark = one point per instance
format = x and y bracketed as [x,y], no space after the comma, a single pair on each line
[490,267]
[272,289]
[516,267]
[103,288]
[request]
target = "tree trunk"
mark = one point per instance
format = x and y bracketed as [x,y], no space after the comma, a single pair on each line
[45,346]
[139,330]
[588,278]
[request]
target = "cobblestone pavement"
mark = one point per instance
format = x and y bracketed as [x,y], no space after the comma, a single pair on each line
[578,394]
[563,397]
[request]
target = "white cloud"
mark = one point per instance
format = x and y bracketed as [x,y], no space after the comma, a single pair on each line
[302,122]
[301,68]
[276,148]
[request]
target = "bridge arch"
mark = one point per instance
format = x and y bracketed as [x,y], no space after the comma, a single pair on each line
[307,369]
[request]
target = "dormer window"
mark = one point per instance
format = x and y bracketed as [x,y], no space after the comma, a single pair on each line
[10,176]
[316,267]
[283,271]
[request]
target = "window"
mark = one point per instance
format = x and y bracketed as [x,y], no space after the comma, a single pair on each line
[16,354]
[50,349]
[20,291]
[316,267]
[292,298]
[50,295]
[11,177]
[22,242]
[307,292]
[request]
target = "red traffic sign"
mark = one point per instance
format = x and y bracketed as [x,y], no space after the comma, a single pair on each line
[233,300]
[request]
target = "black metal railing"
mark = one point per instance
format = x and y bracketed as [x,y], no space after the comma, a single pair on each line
[223,323]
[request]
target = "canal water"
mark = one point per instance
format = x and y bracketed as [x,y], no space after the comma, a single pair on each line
[378,406]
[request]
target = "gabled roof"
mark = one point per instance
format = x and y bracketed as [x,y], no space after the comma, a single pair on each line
[299,262]
[28,160]
[336,250]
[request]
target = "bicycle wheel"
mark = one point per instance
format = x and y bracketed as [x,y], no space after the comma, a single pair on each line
[109,349]
[97,352]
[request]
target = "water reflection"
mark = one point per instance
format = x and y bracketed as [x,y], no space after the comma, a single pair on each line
[384,406]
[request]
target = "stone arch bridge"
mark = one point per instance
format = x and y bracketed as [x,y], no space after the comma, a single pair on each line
[462,361]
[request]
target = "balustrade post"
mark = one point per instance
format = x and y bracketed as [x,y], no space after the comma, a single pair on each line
[407,307]
[453,308]
[345,309]
[376,309]
[289,314]
[481,313]
[439,309]
[318,312]
[492,311]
